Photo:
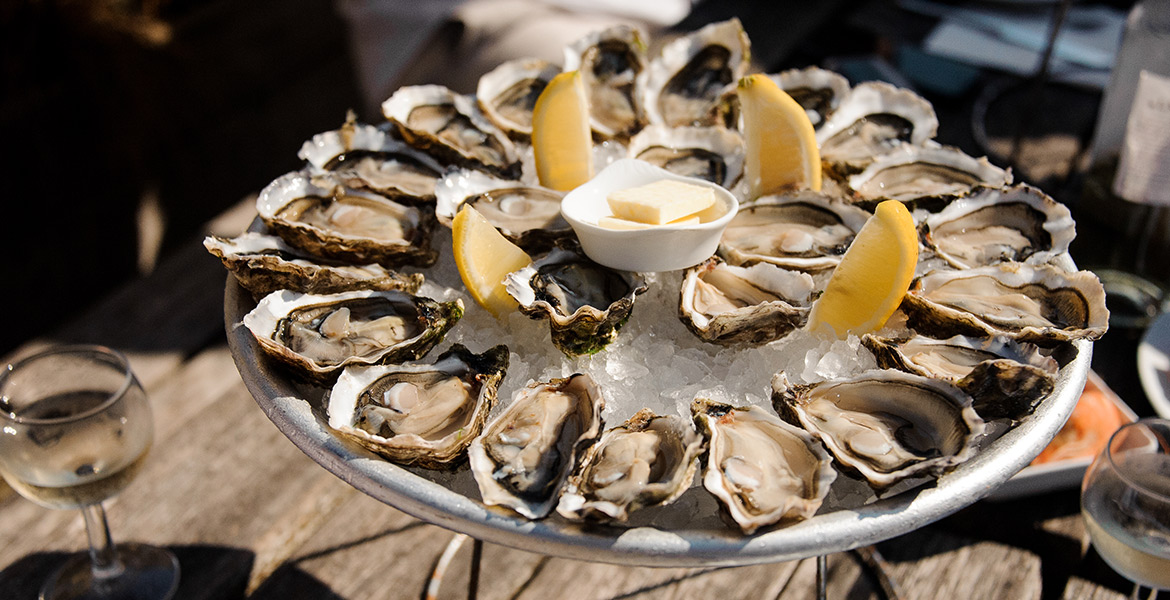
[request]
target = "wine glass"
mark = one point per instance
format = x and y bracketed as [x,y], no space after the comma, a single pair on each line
[1125,500]
[75,427]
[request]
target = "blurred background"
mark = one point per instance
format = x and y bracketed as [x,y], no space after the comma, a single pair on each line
[127,124]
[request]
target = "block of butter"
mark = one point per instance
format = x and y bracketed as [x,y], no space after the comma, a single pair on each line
[616,223]
[660,202]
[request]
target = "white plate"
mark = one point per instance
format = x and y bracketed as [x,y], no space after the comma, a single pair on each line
[1153,362]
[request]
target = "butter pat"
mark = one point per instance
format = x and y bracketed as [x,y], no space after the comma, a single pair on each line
[660,202]
[625,224]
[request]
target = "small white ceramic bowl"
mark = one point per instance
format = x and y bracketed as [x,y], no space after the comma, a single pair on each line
[660,248]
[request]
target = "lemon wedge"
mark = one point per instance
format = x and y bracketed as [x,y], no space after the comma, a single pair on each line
[873,276]
[484,256]
[779,141]
[561,138]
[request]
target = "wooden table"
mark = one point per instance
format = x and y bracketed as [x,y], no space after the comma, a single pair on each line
[248,515]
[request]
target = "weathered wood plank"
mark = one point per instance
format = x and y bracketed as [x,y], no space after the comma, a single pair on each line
[930,563]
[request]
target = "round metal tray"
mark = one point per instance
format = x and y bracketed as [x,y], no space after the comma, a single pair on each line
[449,501]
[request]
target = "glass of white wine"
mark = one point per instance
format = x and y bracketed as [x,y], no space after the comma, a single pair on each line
[1125,500]
[75,428]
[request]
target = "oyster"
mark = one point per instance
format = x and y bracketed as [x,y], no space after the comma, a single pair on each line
[817,90]
[1006,379]
[994,225]
[324,217]
[610,62]
[875,118]
[761,469]
[803,230]
[451,128]
[363,156]
[321,334]
[715,154]
[1041,304]
[683,85]
[730,305]
[508,93]
[647,461]
[584,302]
[424,414]
[884,425]
[925,176]
[528,215]
[264,263]
[525,455]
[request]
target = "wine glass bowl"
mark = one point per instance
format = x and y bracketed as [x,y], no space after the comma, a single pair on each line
[1125,501]
[75,429]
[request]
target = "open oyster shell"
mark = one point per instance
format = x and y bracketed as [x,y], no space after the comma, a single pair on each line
[508,93]
[991,225]
[1041,304]
[451,128]
[647,461]
[1006,379]
[319,334]
[761,469]
[610,62]
[366,157]
[585,303]
[730,305]
[424,414]
[682,86]
[264,263]
[715,154]
[875,118]
[885,425]
[324,217]
[525,455]
[926,177]
[528,215]
[802,230]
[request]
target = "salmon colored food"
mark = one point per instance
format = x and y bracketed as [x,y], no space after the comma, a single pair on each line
[1087,431]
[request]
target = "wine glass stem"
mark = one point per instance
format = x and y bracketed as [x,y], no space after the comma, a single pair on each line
[1137,593]
[822,576]
[102,553]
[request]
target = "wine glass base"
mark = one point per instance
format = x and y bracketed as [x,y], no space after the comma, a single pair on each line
[149,573]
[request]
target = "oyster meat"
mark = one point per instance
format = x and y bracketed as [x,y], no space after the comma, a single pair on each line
[264,263]
[761,469]
[424,414]
[683,85]
[451,128]
[610,62]
[320,334]
[1041,304]
[999,224]
[731,305]
[508,93]
[1006,379]
[802,230]
[324,217]
[528,215]
[525,455]
[647,461]
[885,425]
[584,302]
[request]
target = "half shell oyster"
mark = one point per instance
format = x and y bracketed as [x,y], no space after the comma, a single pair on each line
[508,93]
[264,263]
[925,176]
[761,469]
[884,425]
[715,154]
[321,334]
[324,217]
[875,118]
[525,455]
[682,86]
[610,62]
[423,414]
[528,215]
[730,305]
[802,230]
[647,461]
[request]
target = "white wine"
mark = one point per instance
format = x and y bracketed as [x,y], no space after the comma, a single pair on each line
[74,463]
[1129,529]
